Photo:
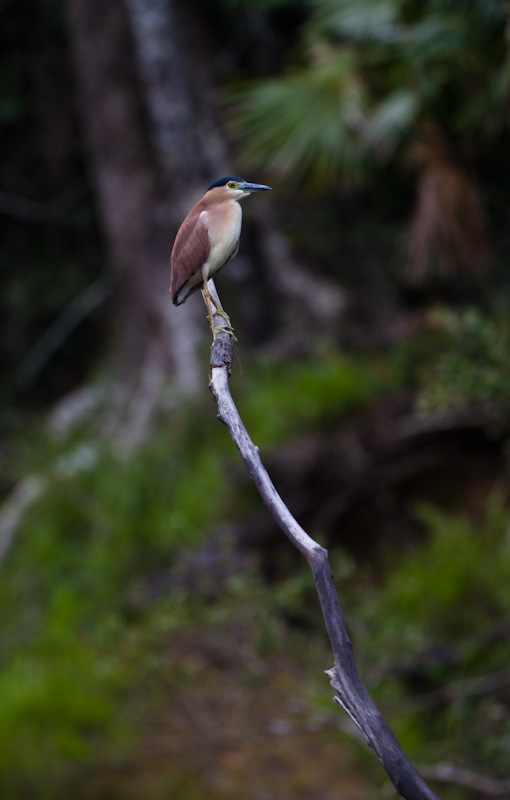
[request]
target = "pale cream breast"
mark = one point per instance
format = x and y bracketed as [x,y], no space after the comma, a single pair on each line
[224,224]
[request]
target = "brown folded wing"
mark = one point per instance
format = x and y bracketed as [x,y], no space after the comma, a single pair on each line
[190,252]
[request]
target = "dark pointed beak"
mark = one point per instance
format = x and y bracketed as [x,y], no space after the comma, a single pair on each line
[255,187]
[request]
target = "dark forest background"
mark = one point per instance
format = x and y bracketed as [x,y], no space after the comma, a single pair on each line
[158,639]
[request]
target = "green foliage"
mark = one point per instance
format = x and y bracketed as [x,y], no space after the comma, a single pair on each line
[311,394]
[440,610]
[90,649]
[451,587]
[313,145]
[69,583]
[374,72]
[472,369]
[58,693]
[81,631]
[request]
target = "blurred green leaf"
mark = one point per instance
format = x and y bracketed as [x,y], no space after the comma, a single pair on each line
[304,126]
[388,124]
[360,21]
[472,371]
[375,71]
[431,640]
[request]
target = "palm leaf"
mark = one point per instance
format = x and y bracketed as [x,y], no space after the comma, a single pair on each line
[305,126]
[357,20]
[389,123]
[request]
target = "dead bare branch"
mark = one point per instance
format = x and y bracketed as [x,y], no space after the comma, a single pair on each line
[353,696]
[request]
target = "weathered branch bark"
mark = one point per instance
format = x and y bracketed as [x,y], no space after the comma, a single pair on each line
[352,694]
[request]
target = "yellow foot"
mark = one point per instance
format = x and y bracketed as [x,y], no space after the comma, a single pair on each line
[215,329]
[227,328]
[224,329]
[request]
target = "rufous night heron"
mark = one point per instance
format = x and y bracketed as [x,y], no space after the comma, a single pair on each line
[206,240]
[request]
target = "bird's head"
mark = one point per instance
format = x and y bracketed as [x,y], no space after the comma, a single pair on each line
[233,188]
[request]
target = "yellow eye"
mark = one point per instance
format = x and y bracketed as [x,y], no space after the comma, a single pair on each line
[232,185]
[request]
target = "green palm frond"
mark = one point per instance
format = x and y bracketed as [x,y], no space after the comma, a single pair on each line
[384,67]
[436,37]
[305,126]
[389,123]
[358,20]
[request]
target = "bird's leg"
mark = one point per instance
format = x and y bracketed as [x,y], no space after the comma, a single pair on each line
[227,328]
[208,298]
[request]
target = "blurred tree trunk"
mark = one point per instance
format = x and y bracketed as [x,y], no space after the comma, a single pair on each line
[146,107]
[178,92]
